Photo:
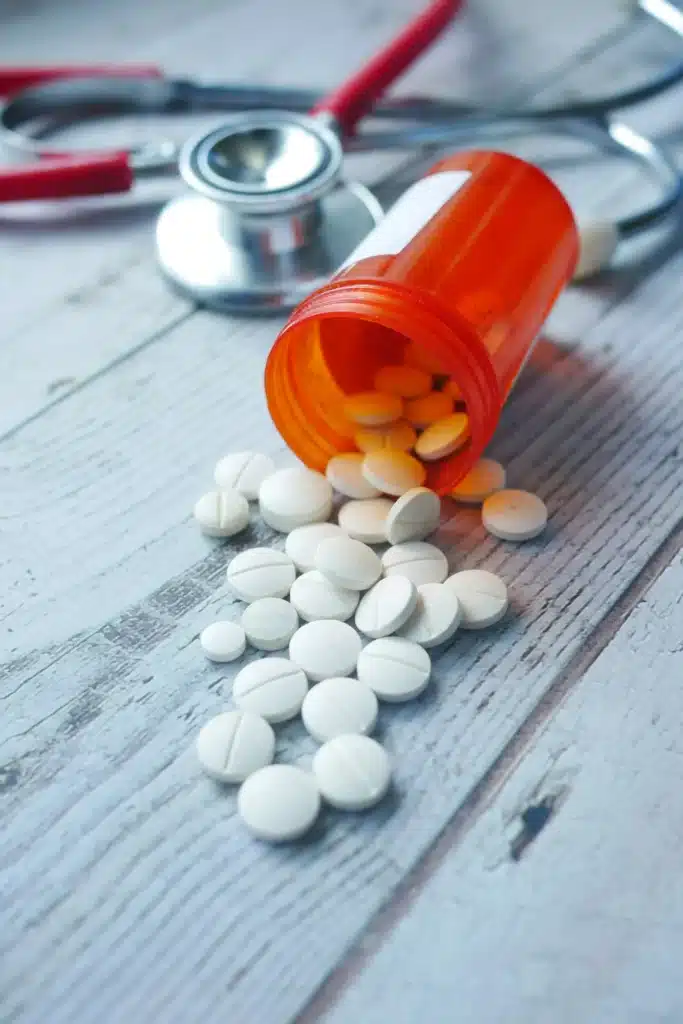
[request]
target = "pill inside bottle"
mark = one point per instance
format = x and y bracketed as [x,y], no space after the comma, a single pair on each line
[457,279]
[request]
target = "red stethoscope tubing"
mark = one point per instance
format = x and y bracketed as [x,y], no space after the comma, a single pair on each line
[355,97]
[89,174]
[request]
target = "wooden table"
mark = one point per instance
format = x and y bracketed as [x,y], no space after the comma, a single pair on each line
[527,869]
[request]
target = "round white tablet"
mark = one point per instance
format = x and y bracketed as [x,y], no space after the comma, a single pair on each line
[293,497]
[271,687]
[404,381]
[279,803]
[413,516]
[345,473]
[366,520]
[339,706]
[243,472]
[261,572]
[436,616]
[235,744]
[373,408]
[418,355]
[222,513]
[396,669]
[443,437]
[514,515]
[425,410]
[316,597]
[386,607]
[420,562]
[393,472]
[353,772]
[348,563]
[302,543]
[486,477]
[483,597]
[223,641]
[325,648]
[400,436]
[270,623]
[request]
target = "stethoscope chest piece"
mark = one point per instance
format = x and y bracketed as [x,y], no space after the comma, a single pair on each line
[267,219]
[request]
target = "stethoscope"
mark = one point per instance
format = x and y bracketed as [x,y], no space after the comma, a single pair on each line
[268,215]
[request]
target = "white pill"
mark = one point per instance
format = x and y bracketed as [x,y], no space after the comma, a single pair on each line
[316,597]
[483,597]
[514,515]
[325,648]
[386,607]
[486,477]
[417,355]
[336,707]
[222,513]
[436,616]
[271,687]
[598,243]
[270,623]
[413,516]
[404,381]
[243,472]
[345,473]
[443,437]
[294,497]
[373,408]
[279,803]
[396,669]
[352,772]
[399,436]
[425,410]
[235,744]
[366,520]
[393,472]
[420,562]
[261,572]
[302,543]
[348,563]
[223,641]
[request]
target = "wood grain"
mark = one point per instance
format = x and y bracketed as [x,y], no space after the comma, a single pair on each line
[129,889]
[584,925]
[64,264]
[99,739]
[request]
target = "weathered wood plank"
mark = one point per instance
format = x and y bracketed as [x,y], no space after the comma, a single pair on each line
[584,923]
[38,30]
[64,264]
[82,335]
[115,853]
[98,741]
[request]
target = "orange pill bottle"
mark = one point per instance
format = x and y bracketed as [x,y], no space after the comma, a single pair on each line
[464,269]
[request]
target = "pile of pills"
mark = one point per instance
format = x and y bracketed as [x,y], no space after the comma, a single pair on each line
[414,408]
[345,627]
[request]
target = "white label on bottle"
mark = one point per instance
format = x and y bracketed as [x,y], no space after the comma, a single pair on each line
[408,215]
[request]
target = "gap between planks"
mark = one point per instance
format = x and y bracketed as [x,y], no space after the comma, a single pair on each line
[483,794]
[72,356]
[659,313]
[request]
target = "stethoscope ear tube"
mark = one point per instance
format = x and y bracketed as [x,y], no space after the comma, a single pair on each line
[78,99]
[605,133]
[67,178]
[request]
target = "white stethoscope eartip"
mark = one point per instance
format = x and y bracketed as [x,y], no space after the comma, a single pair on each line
[598,242]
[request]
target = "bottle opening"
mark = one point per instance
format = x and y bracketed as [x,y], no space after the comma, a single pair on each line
[321,360]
